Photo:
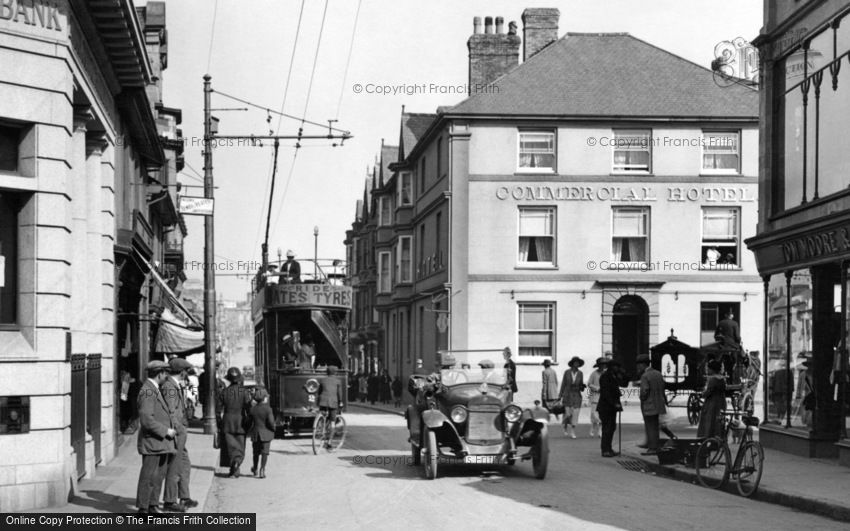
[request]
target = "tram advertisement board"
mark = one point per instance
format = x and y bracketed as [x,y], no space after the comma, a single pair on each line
[295,295]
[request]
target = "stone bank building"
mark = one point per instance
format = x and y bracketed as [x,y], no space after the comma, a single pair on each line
[597,198]
[88,162]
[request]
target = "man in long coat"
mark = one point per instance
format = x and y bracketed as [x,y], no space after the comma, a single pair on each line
[177,474]
[233,408]
[609,403]
[156,438]
[652,403]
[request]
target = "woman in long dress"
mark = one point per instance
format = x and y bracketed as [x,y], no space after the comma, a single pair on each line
[714,403]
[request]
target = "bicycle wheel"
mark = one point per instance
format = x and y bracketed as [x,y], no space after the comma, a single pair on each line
[318,433]
[748,468]
[336,435]
[712,463]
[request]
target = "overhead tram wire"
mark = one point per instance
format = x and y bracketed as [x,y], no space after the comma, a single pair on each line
[348,61]
[212,36]
[304,114]
[283,114]
[273,167]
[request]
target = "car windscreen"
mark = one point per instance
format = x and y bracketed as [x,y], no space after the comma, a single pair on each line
[466,376]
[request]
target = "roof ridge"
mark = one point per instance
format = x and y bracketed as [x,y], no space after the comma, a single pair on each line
[668,52]
[597,34]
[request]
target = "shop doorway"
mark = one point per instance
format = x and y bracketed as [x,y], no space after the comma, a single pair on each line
[630,332]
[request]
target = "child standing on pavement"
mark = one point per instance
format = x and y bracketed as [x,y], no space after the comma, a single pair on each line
[261,432]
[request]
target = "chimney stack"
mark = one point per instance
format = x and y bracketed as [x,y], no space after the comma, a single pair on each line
[491,54]
[539,29]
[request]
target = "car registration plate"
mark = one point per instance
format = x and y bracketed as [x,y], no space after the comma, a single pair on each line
[482,459]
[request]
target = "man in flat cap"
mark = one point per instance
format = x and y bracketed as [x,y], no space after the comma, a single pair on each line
[156,438]
[177,473]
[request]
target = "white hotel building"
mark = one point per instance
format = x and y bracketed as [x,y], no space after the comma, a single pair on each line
[595,201]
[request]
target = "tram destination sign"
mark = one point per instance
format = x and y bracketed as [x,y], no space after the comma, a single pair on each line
[308,295]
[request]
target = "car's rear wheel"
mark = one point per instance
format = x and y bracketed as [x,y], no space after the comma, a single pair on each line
[540,453]
[416,454]
[431,454]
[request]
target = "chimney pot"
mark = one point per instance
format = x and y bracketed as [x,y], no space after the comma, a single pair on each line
[500,25]
[476,25]
[488,25]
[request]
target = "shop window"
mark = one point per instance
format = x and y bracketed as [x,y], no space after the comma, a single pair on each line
[721,152]
[789,372]
[721,232]
[536,329]
[536,151]
[405,188]
[712,313]
[384,272]
[630,238]
[537,236]
[632,151]
[9,208]
[10,138]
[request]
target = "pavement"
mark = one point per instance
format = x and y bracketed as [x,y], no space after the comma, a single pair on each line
[113,489]
[817,486]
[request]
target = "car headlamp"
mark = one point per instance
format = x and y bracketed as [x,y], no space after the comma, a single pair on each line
[459,414]
[512,413]
[312,385]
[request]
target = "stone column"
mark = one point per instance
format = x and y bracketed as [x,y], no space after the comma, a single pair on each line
[108,290]
[79,214]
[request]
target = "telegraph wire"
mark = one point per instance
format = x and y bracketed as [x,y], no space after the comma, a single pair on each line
[348,61]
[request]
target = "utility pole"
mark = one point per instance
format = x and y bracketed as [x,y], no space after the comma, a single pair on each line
[209,271]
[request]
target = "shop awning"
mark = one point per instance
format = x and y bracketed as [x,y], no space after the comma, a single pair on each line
[167,290]
[174,337]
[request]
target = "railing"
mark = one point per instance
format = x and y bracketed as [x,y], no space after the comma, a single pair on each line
[78,411]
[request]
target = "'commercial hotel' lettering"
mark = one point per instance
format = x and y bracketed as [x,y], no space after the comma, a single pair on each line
[723,194]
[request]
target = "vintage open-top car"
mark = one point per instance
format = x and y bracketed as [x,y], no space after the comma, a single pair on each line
[468,415]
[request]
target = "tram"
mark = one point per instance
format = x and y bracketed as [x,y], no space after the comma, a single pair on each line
[318,309]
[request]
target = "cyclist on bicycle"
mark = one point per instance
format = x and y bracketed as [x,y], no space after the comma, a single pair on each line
[331,395]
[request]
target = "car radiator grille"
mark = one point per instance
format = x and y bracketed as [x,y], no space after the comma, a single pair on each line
[482,426]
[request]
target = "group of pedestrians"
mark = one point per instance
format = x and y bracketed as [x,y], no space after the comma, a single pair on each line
[565,400]
[163,431]
[243,415]
[379,388]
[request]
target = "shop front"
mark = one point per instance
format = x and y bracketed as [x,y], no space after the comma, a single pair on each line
[806,391]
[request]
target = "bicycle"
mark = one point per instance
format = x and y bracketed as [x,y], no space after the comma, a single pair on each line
[713,456]
[326,437]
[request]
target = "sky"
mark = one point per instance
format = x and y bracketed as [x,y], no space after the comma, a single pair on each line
[247,48]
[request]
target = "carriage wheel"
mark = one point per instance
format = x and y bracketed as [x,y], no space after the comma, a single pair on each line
[694,407]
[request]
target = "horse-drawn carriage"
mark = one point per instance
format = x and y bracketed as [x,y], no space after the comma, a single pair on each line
[684,370]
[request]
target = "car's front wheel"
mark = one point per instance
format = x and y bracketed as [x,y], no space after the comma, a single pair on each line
[431,454]
[540,453]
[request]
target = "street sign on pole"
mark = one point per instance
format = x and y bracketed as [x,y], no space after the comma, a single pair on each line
[195,206]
